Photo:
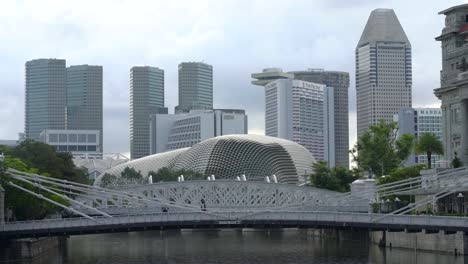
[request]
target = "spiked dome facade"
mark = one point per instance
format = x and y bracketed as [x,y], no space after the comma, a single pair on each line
[230,156]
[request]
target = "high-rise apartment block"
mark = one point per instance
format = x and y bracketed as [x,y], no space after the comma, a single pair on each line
[302,112]
[46,96]
[84,99]
[383,70]
[453,89]
[195,87]
[146,97]
[181,130]
[417,121]
[340,83]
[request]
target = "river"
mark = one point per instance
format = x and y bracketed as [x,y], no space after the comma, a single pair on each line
[230,246]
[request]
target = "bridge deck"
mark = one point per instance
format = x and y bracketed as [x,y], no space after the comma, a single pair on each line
[265,219]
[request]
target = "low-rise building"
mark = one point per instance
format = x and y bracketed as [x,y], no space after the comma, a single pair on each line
[417,121]
[77,142]
[175,131]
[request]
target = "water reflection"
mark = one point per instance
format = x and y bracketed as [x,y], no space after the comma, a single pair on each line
[229,246]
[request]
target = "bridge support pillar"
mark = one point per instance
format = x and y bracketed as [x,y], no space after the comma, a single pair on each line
[2,205]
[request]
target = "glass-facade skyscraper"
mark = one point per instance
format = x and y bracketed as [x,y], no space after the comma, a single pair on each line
[302,112]
[195,86]
[46,96]
[84,98]
[383,70]
[146,98]
[340,83]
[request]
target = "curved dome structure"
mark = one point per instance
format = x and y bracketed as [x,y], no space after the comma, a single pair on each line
[146,164]
[230,156]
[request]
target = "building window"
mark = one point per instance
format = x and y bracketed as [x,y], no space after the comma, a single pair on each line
[72,148]
[53,138]
[72,138]
[63,138]
[81,148]
[82,138]
[92,138]
[91,148]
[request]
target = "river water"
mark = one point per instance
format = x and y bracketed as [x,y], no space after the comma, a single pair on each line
[230,246]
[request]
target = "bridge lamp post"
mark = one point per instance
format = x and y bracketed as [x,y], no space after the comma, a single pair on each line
[461,199]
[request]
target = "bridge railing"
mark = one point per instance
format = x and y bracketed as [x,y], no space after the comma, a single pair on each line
[331,218]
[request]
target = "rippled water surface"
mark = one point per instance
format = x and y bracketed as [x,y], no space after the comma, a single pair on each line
[230,246]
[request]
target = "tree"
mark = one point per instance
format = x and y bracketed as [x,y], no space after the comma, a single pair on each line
[24,205]
[46,160]
[456,162]
[379,151]
[38,158]
[334,179]
[429,143]
[402,174]
[166,174]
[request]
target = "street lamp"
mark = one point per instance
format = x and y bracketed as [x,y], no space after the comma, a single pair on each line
[460,201]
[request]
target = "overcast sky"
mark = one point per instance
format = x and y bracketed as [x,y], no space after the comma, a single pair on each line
[237,37]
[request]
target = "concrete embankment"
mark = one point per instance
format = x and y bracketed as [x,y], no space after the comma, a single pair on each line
[31,247]
[454,243]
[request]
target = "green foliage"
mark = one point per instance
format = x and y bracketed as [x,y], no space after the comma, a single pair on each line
[107,180]
[429,143]
[47,160]
[402,174]
[334,179]
[35,157]
[166,174]
[379,151]
[129,176]
[456,162]
[26,206]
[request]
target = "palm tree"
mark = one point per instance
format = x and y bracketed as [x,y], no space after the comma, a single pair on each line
[429,143]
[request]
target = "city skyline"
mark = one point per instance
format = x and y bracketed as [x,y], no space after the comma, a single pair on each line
[232,62]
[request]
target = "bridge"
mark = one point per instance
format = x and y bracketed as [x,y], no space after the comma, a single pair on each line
[232,204]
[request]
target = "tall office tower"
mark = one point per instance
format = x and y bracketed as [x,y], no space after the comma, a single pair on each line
[46,96]
[84,99]
[340,83]
[383,70]
[195,87]
[453,89]
[302,112]
[146,97]
[417,121]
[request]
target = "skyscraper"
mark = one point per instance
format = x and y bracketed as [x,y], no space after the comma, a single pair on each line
[340,83]
[46,96]
[302,112]
[84,98]
[146,97]
[453,89]
[195,86]
[383,70]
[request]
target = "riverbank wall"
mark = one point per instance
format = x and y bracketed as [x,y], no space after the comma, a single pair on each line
[31,247]
[453,243]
